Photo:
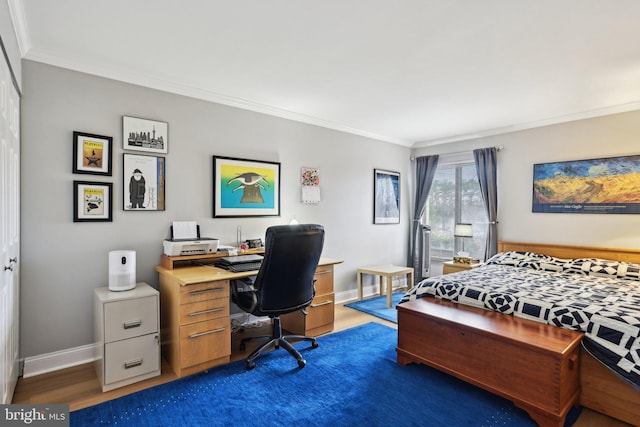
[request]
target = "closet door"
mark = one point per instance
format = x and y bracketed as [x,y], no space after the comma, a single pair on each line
[9,232]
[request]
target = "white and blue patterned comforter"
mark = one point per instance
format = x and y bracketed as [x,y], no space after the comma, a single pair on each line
[598,297]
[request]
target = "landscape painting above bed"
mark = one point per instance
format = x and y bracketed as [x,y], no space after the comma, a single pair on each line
[607,185]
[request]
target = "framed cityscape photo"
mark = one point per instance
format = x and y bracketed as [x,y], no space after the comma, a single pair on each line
[143,183]
[145,135]
[244,188]
[386,197]
[92,153]
[92,201]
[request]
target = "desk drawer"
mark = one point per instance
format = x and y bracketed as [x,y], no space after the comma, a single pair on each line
[204,291]
[130,318]
[204,310]
[321,311]
[204,341]
[324,280]
[319,318]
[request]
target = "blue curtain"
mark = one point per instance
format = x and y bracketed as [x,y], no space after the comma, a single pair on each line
[485,159]
[425,171]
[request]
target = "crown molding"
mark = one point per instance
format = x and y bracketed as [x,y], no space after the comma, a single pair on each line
[20,27]
[145,80]
[599,112]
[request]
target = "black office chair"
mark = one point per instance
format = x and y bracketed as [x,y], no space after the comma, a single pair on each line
[284,284]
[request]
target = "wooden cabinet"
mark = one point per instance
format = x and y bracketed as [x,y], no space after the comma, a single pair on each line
[126,329]
[320,314]
[449,267]
[534,365]
[196,330]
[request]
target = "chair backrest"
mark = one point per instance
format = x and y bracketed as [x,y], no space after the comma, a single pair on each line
[285,280]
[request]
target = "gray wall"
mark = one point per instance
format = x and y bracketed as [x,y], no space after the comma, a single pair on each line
[607,136]
[63,261]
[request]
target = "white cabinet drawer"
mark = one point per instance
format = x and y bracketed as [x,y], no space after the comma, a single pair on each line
[130,318]
[131,358]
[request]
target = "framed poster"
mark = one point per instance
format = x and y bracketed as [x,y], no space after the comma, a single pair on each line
[386,197]
[143,182]
[598,186]
[92,153]
[92,201]
[243,188]
[145,135]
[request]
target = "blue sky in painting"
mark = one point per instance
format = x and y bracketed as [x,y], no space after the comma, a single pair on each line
[593,167]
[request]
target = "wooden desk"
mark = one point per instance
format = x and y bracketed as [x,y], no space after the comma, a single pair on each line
[194,314]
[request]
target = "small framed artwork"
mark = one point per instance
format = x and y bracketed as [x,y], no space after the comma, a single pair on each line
[92,201]
[145,135]
[386,197]
[92,153]
[143,183]
[244,188]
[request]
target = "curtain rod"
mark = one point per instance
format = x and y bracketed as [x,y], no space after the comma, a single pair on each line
[498,148]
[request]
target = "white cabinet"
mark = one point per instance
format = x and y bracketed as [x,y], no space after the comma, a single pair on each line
[127,335]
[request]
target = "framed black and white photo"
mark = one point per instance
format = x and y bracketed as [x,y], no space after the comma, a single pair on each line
[145,135]
[143,182]
[386,197]
[92,153]
[92,201]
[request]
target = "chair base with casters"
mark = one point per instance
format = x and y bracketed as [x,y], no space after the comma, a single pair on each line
[277,340]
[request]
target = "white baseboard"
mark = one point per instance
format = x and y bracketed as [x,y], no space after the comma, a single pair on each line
[44,363]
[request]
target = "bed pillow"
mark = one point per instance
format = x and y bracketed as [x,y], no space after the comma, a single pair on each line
[529,260]
[603,268]
[584,266]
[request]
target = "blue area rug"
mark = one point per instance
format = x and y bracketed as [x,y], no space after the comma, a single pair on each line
[351,379]
[377,306]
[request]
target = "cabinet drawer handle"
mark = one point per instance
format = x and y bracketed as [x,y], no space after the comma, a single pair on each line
[213,310]
[321,304]
[132,364]
[206,291]
[132,324]
[214,331]
[323,272]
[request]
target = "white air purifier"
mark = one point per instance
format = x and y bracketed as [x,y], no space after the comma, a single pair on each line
[122,270]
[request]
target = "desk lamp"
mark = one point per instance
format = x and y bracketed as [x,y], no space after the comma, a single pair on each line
[463,230]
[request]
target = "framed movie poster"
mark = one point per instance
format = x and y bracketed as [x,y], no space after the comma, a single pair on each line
[143,183]
[145,135]
[92,201]
[244,188]
[597,186]
[92,153]
[386,197]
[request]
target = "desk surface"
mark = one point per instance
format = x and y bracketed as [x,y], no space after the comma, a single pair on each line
[198,274]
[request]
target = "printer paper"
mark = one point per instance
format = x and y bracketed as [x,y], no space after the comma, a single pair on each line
[185,230]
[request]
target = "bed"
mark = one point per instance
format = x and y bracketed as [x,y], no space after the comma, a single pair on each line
[592,290]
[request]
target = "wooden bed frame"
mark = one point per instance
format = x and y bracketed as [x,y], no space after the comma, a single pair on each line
[600,389]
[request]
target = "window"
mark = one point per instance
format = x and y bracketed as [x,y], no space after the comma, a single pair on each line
[455,198]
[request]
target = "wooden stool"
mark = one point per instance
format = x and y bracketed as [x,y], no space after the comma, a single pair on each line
[386,273]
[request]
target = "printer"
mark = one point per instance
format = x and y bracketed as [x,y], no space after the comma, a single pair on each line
[188,241]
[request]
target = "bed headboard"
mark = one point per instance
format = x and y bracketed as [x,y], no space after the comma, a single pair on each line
[563,251]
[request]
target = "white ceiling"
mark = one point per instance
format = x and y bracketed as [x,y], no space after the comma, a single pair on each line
[411,72]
